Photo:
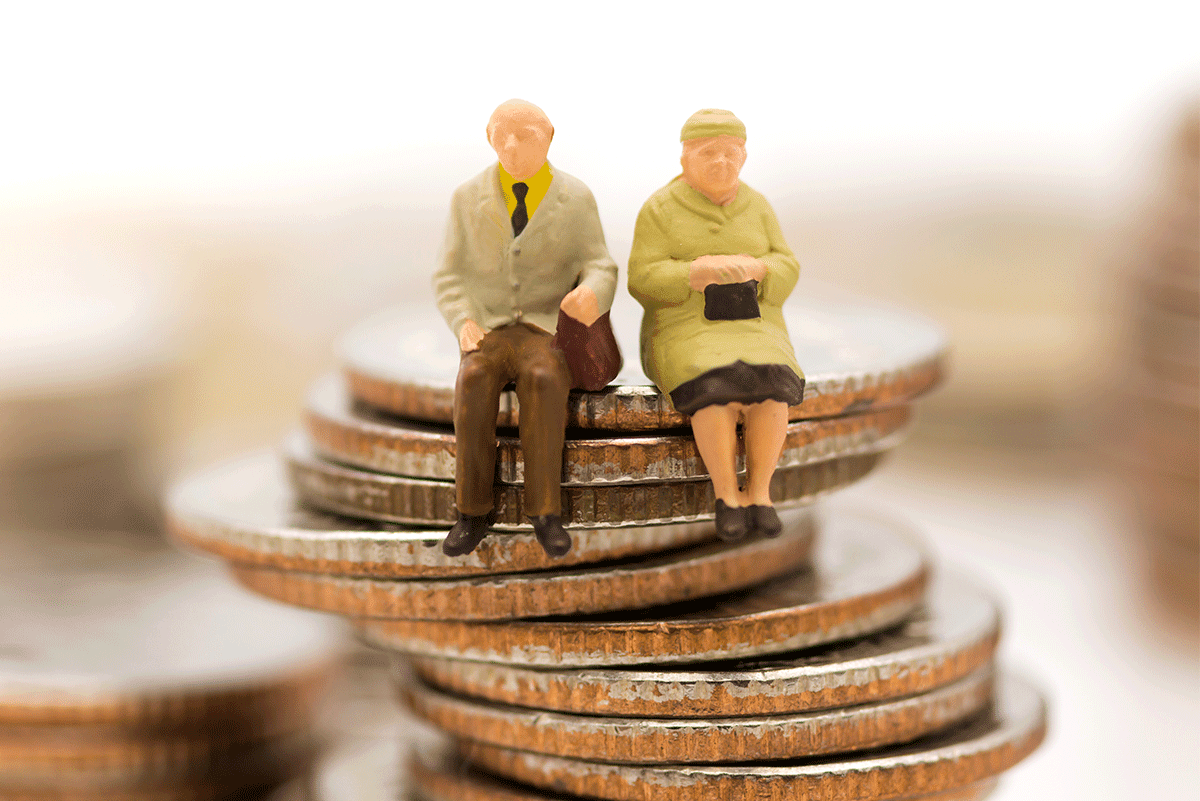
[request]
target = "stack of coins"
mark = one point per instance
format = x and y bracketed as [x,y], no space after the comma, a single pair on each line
[1166,379]
[652,660]
[130,672]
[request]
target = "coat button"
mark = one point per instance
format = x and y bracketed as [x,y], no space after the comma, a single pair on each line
[714,228]
[516,251]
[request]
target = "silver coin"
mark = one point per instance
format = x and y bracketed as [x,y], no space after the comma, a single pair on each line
[697,572]
[954,633]
[122,630]
[424,502]
[868,574]
[439,774]
[960,758]
[246,512]
[355,435]
[855,355]
[687,740]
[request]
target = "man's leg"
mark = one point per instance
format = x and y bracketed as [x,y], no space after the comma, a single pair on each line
[482,375]
[543,384]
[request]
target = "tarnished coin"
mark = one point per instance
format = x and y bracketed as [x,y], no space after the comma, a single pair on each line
[254,790]
[686,574]
[975,752]
[422,502]
[31,761]
[246,512]
[243,765]
[361,437]
[441,775]
[953,634]
[855,355]
[868,574]
[678,740]
[124,631]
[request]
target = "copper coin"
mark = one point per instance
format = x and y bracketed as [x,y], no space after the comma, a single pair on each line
[686,574]
[678,740]
[243,790]
[111,629]
[246,512]
[953,634]
[868,574]
[975,752]
[361,437]
[855,355]
[440,775]
[158,764]
[424,502]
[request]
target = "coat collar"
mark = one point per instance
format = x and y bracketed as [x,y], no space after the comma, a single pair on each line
[697,203]
[492,207]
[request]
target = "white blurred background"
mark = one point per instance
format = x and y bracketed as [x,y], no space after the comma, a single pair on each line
[195,199]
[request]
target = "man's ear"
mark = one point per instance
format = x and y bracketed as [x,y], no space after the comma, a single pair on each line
[551,133]
[488,130]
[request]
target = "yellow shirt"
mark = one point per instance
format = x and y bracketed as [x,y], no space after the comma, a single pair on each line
[538,183]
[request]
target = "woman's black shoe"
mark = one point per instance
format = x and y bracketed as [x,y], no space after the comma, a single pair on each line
[764,520]
[733,522]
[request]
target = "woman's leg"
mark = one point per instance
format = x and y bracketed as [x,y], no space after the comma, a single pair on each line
[766,429]
[715,430]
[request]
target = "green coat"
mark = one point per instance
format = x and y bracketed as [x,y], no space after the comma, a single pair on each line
[676,225]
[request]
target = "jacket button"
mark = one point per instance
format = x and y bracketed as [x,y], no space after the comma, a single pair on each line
[516,251]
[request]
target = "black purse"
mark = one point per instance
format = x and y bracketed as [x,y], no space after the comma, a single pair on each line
[732,301]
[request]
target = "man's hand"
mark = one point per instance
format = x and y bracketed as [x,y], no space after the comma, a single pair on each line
[470,336]
[581,304]
[707,270]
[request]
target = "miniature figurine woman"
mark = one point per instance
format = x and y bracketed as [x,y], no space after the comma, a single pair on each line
[712,270]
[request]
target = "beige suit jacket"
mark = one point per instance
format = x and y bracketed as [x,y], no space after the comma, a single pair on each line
[487,275]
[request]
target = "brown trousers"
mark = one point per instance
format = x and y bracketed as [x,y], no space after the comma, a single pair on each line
[515,353]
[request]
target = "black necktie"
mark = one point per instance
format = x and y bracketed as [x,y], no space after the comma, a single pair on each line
[520,215]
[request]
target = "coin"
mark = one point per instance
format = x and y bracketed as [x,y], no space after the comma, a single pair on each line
[704,570]
[439,775]
[123,631]
[974,752]
[868,574]
[856,356]
[953,634]
[414,501]
[67,757]
[679,740]
[245,512]
[360,437]
[241,765]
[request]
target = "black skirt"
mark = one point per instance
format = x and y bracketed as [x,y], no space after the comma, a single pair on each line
[739,383]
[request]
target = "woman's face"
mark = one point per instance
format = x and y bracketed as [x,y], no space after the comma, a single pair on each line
[711,164]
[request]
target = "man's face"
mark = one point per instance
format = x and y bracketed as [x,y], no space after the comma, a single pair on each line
[521,136]
[712,164]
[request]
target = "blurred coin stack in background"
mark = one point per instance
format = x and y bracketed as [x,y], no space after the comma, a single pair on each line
[128,671]
[1165,378]
[87,337]
[653,660]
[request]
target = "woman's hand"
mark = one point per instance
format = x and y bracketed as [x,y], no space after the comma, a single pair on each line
[735,269]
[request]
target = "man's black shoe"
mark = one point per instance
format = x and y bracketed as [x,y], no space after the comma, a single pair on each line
[468,532]
[549,532]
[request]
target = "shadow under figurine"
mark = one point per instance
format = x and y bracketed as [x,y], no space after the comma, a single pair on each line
[711,269]
[523,259]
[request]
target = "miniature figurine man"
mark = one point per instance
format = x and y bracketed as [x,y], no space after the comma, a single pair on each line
[712,270]
[522,244]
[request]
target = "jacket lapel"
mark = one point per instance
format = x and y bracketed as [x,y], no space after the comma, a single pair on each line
[491,204]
